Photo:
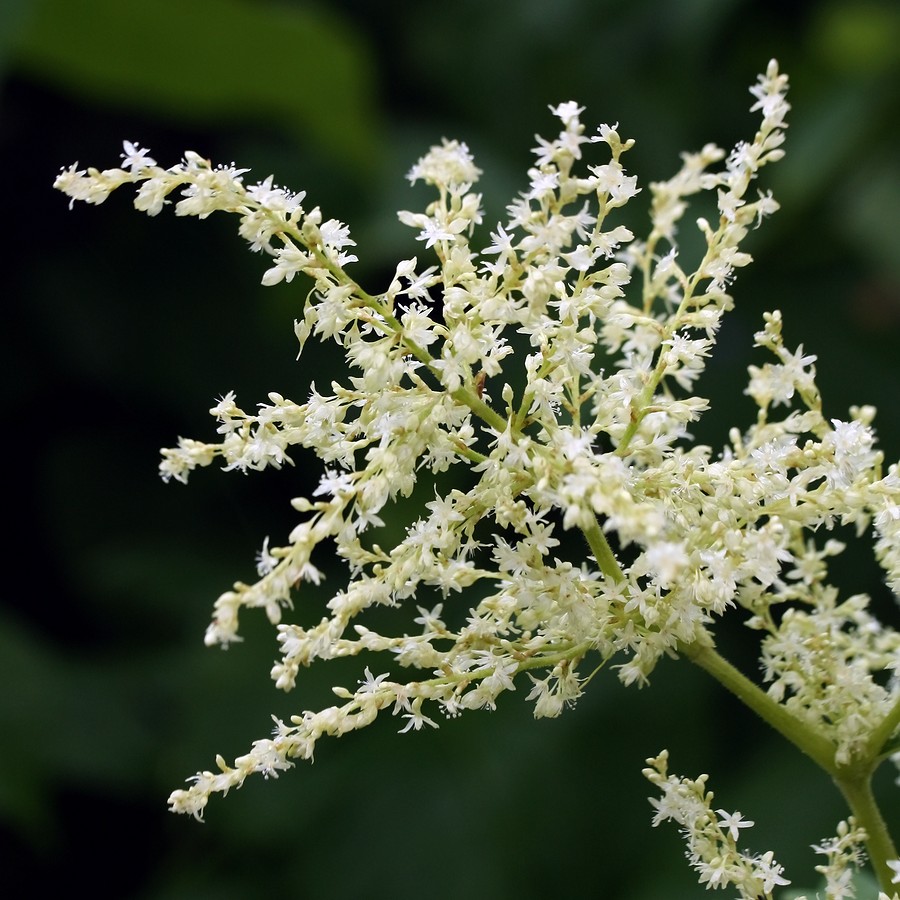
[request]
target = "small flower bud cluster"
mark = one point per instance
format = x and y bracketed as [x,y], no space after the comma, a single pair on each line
[845,854]
[711,837]
[712,843]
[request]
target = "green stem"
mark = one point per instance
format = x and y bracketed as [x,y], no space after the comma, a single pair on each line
[853,781]
[602,551]
[858,794]
[468,397]
[802,736]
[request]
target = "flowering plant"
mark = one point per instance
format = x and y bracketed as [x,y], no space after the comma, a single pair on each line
[557,366]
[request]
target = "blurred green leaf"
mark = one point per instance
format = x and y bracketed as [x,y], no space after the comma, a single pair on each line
[13,15]
[870,200]
[858,37]
[212,61]
[28,665]
[821,141]
[98,736]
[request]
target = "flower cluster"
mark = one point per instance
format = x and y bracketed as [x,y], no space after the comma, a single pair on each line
[557,365]
[844,853]
[712,842]
[712,848]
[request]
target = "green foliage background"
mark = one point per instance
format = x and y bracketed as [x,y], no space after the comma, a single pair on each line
[120,332]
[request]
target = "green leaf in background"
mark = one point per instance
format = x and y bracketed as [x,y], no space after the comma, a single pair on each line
[212,61]
[859,37]
[13,15]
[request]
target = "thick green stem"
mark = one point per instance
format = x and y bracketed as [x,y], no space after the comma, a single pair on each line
[602,551]
[801,735]
[858,794]
[854,782]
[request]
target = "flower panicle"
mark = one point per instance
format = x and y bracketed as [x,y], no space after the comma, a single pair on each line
[557,362]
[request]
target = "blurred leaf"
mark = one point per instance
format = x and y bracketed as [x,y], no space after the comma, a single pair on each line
[858,37]
[823,137]
[870,200]
[99,736]
[24,712]
[212,61]
[13,15]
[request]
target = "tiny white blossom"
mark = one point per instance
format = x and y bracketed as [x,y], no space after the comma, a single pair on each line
[416,720]
[733,822]
[136,158]
[265,562]
[449,165]
[894,866]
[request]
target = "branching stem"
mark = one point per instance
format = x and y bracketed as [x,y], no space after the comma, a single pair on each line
[853,780]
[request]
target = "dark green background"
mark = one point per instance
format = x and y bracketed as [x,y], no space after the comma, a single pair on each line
[121,331]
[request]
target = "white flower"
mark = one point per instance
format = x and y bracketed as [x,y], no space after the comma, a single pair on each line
[136,158]
[416,720]
[733,822]
[265,562]
[568,112]
[451,165]
[894,866]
